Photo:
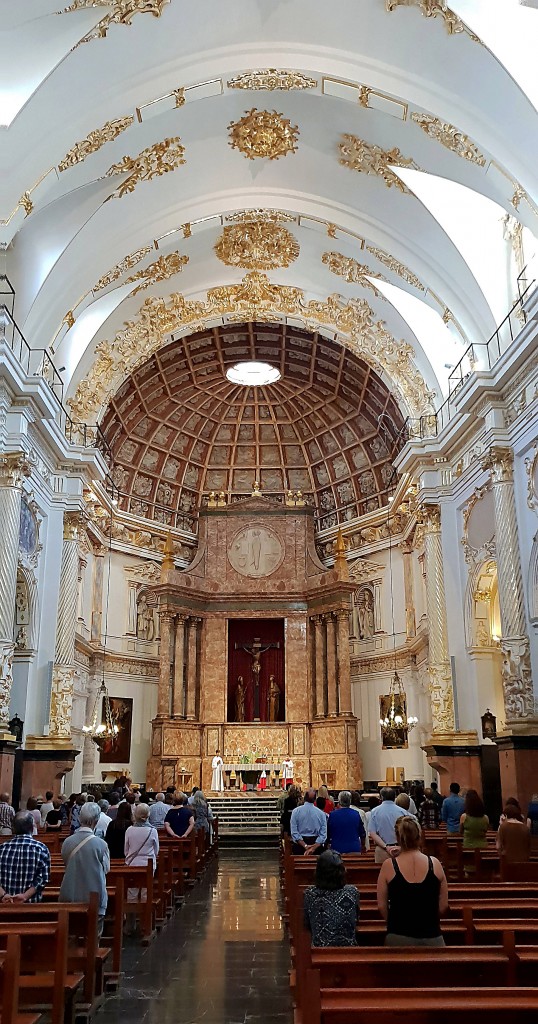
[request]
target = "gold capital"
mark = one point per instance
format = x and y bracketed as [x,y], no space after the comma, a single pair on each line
[500,461]
[14,466]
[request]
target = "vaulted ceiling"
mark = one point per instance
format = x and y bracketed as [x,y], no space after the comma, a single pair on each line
[121,176]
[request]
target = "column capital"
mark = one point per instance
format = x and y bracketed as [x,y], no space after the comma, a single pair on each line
[74,522]
[430,518]
[181,618]
[14,466]
[317,620]
[500,461]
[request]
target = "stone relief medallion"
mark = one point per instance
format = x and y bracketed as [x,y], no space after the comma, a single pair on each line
[255,552]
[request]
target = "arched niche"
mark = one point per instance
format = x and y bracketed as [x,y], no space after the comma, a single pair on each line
[482,612]
[26,611]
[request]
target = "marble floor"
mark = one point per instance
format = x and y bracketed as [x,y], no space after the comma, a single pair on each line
[222,959]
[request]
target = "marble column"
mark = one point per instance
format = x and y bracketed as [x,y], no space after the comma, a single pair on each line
[440,676]
[97,599]
[517,679]
[63,673]
[13,468]
[178,705]
[318,665]
[165,665]
[82,564]
[330,625]
[409,597]
[192,667]
[344,667]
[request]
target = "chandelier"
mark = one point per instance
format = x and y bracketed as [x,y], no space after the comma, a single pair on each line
[98,730]
[397,718]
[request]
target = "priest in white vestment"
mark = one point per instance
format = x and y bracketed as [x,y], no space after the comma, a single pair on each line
[217,778]
[287,772]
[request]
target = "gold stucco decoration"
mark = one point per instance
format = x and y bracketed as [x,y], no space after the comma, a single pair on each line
[271,79]
[257,245]
[263,134]
[255,298]
[450,137]
[160,270]
[125,264]
[244,216]
[152,162]
[398,268]
[351,270]
[432,9]
[94,140]
[122,13]
[367,158]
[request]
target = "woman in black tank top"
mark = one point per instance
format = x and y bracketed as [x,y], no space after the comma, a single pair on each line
[412,892]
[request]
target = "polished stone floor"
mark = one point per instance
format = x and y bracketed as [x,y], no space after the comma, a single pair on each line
[222,959]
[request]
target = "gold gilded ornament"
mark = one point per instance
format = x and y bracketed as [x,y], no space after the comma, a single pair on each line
[397,268]
[151,163]
[254,299]
[450,137]
[122,13]
[271,79]
[126,263]
[351,270]
[26,204]
[94,140]
[368,158]
[257,245]
[263,134]
[161,270]
[245,216]
[432,9]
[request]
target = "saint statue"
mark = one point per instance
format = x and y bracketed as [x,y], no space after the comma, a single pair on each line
[240,700]
[273,700]
[217,777]
[145,622]
[366,615]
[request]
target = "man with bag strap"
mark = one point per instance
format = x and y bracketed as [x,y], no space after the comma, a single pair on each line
[87,860]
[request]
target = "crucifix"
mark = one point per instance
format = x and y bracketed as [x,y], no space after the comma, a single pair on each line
[256,649]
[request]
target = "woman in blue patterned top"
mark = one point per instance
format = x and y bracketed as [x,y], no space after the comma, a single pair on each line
[331,908]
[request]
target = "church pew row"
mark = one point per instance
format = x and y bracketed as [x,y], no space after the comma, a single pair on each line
[44,981]
[108,955]
[10,969]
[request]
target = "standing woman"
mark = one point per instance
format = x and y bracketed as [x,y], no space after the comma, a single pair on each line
[202,812]
[141,840]
[412,891]
[116,831]
[474,822]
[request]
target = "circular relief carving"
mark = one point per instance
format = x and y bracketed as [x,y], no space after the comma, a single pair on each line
[255,552]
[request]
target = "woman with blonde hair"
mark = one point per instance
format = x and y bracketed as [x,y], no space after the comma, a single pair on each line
[412,891]
[323,792]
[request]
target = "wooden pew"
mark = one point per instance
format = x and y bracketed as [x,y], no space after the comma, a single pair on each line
[11,968]
[44,980]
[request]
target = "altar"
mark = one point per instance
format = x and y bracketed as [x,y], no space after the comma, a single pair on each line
[249,774]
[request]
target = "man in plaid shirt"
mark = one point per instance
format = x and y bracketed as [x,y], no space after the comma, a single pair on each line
[24,864]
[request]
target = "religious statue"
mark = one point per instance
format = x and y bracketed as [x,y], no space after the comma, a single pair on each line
[145,622]
[366,615]
[217,779]
[273,700]
[256,649]
[240,700]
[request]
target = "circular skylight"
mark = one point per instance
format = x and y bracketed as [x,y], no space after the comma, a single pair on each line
[253,374]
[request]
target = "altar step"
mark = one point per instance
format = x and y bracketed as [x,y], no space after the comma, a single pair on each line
[246,820]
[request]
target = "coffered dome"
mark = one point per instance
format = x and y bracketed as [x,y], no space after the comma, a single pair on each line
[179,429]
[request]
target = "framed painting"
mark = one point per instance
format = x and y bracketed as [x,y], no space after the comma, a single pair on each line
[118,749]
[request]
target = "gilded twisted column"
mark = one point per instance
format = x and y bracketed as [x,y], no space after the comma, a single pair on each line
[165,664]
[13,468]
[63,674]
[330,624]
[344,667]
[441,692]
[318,665]
[192,667]
[178,703]
[517,679]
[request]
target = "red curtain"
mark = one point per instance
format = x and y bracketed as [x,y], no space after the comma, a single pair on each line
[272,661]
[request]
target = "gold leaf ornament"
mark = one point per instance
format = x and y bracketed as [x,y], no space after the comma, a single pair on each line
[351,270]
[160,270]
[367,158]
[152,162]
[94,140]
[271,79]
[125,264]
[257,245]
[263,134]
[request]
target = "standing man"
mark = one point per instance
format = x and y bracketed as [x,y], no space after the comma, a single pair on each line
[452,809]
[308,826]
[87,861]
[217,779]
[7,814]
[287,772]
[381,827]
[158,811]
[346,831]
[24,863]
[47,806]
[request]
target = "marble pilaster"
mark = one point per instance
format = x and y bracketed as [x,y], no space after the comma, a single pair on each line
[13,468]
[409,597]
[344,667]
[192,666]
[166,659]
[63,674]
[318,665]
[440,676]
[178,701]
[330,625]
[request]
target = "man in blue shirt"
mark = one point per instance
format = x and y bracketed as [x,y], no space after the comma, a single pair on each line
[308,826]
[346,830]
[452,809]
[381,828]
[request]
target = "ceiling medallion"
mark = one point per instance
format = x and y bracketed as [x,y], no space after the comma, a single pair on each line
[255,298]
[161,270]
[397,268]
[257,245]
[125,264]
[271,79]
[432,9]
[450,137]
[351,270]
[368,158]
[122,13]
[263,133]
[94,140]
[245,216]
[151,163]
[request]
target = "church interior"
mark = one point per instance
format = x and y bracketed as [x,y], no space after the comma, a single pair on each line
[268,399]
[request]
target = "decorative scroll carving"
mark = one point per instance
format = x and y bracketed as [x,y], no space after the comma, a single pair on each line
[160,270]
[517,681]
[367,158]
[263,133]
[271,79]
[432,9]
[255,298]
[6,681]
[397,268]
[152,162]
[245,216]
[257,245]
[531,465]
[450,137]
[123,12]
[125,264]
[351,270]
[94,140]
[61,701]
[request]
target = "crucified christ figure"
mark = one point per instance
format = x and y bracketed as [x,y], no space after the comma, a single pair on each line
[256,649]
